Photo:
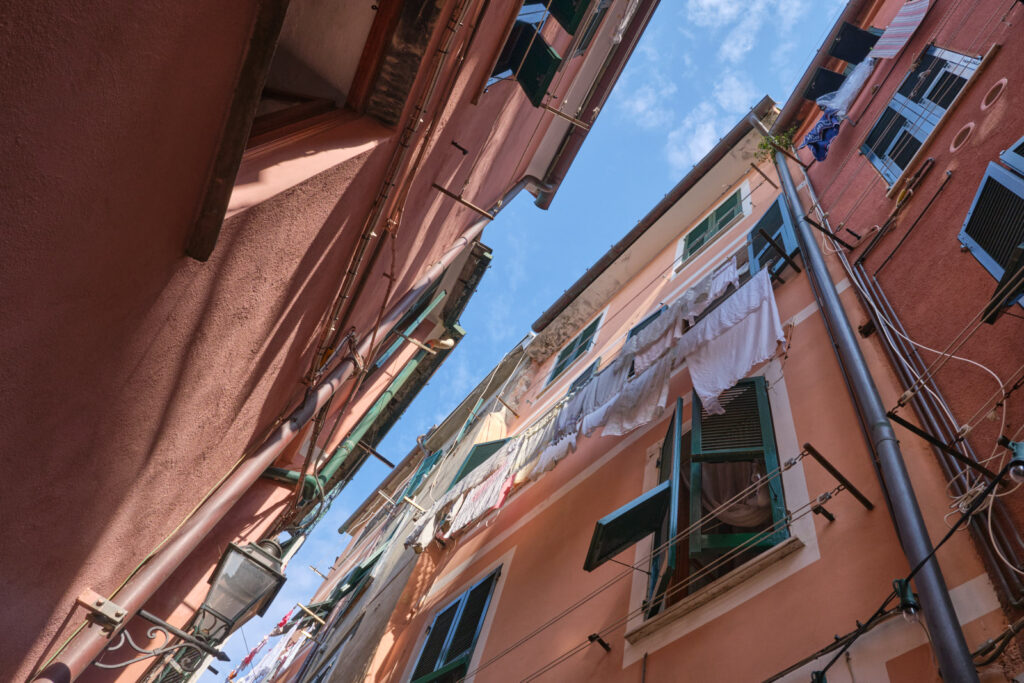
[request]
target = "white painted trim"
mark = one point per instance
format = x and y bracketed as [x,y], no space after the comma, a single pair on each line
[794,486]
[504,562]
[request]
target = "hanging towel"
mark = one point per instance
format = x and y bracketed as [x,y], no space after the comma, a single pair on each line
[744,331]
[650,343]
[821,136]
[642,400]
[899,30]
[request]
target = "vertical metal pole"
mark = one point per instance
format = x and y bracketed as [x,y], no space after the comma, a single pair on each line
[949,645]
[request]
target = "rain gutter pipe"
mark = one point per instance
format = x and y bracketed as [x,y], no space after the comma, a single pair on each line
[346,447]
[137,590]
[948,642]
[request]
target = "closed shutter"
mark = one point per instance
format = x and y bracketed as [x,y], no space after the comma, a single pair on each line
[584,377]
[470,619]
[574,349]
[476,457]
[436,638]
[743,432]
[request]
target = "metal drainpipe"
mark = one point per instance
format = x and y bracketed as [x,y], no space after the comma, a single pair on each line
[346,447]
[91,641]
[948,642]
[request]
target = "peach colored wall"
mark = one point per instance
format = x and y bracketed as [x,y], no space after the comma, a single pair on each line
[134,377]
[544,530]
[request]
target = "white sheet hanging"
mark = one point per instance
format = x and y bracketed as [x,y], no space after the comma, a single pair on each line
[642,400]
[744,331]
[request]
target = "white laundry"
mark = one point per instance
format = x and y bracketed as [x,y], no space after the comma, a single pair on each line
[642,399]
[552,454]
[650,343]
[744,331]
[697,298]
[480,500]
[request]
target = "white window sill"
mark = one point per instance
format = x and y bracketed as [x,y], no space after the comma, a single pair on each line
[716,588]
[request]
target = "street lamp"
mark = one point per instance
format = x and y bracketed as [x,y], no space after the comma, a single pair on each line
[243,585]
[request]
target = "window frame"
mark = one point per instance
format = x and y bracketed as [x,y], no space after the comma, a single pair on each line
[612,536]
[785,231]
[1014,158]
[441,666]
[560,366]
[921,117]
[684,255]
[1015,184]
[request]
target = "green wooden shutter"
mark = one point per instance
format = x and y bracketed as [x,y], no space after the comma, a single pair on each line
[728,210]
[436,639]
[580,344]
[743,433]
[654,512]
[422,471]
[663,558]
[531,60]
[695,238]
[569,13]
[476,457]
[471,617]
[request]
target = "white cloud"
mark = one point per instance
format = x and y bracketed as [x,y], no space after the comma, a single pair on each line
[734,92]
[789,12]
[741,39]
[695,136]
[648,105]
[714,13]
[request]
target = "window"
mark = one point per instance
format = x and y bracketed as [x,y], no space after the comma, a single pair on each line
[421,472]
[1014,157]
[478,455]
[994,231]
[584,377]
[776,223]
[635,330]
[592,25]
[915,109]
[328,667]
[453,635]
[579,345]
[722,457]
[721,217]
[526,57]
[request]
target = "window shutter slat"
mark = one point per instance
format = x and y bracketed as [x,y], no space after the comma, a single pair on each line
[663,560]
[627,525]
[435,641]
[470,619]
[476,457]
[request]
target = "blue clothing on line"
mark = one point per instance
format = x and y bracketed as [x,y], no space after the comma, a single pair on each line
[821,135]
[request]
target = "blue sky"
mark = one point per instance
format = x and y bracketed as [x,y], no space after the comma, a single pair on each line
[699,67]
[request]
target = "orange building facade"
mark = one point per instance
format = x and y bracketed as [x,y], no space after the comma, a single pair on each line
[679,475]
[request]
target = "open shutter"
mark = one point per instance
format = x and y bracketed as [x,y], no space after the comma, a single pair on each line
[476,457]
[776,223]
[852,44]
[663,558]
[531,60]
[654,512]
[422,471]
[569,13]
[1014,156]
[743,433]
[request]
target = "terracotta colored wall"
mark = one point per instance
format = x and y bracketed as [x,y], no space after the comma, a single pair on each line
[135,377]
[936,287]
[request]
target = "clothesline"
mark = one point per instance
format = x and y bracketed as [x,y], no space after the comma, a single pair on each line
[745,329]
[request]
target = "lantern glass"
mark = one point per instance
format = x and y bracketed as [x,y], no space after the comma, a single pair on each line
[244,583]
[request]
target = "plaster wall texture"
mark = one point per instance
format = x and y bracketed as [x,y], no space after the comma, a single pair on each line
[540,537]
[133,377]
[935,287]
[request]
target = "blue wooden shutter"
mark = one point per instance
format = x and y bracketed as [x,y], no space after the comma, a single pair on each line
[654,512]
[776,223]
[422,471]
[743,433]
[1014,156]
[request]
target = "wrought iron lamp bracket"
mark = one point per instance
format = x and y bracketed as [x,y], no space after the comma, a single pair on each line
[160,628]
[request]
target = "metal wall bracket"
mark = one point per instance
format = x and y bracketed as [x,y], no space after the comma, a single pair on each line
[106,614]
